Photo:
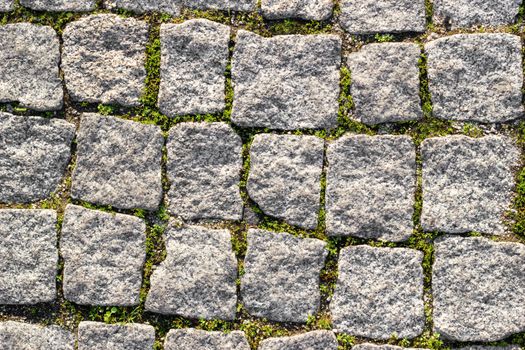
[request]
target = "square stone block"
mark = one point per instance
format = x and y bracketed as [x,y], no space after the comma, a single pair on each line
[24,336]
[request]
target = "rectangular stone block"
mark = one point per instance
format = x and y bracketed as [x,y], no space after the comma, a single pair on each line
[97,336]
[195,339]
[24,336]
[317,10]
[316,340]
[60,5]
[454,14]
[172,7]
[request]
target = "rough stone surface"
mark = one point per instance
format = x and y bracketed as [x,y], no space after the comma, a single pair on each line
[286,82]
[379,292]
[103,257]
[467,183]
[28,256]
[224,5]
[7,5]
[118,163]
[371,182]
[198,277]
[24,336]
[482,347]
[478,288]
[96,336]
[172,7]
[476,77]
[317,340]
[318,10]
[469,13]
[369,346]
[285,177]
[204,163]
[385,83]
[281,280]
[34,154]
[194,59]
[386,16]
[195,339]
[103,59]
[29,61]
[60,5]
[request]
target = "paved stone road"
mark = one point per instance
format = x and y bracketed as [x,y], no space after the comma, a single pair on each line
[175,182]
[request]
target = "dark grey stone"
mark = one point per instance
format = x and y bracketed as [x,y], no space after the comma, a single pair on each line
[24,336]
[467,183]
[385,83]
[97,336]
[224,5]
[194,59]
[285,177]
[195,339]
[204,164]
[478,288]
[318,10]
[172,7]
[316,340]
[469,13]
[29,61]
[104,254]
[286,82]
[371,183]
[476,77]
[34,154]
[28,256]
[198,277]
[60,5]
[379,293]
[118,163]
[103,59]
[281,280]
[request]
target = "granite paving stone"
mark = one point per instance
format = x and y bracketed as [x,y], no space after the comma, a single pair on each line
[172,7]
[317,10]
[25,336]
[7,5]
[97,336]
[316,340]
[224,5]
[281,279]
[455,14]
[196,339]
[369,346]
[60,5]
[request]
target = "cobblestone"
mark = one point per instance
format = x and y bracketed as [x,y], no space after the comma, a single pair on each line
[173,7]
[316,340]
[469,13]
[96,336]
[24,336]
[195,339]
[305,9]
[60,5]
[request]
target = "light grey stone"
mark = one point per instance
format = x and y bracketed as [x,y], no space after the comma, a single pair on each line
[281,280]
[204,163]
[379,293]
[455,14]
[286,82]
[285,177]
[370,187]
[318,10]
[467,183]
[172,7]
[104,254]
[133,336]
[316,340]
[29,61]
[195,339]
[60,5]
[385,16]
[385,83]
[224,5]
[103,59]
[193,63]
[28,256]
[369,346]
[34,154]
[7,5]
[478,288]
[198,277]
[476,77]
[24,336]
[118,163]
[483,347]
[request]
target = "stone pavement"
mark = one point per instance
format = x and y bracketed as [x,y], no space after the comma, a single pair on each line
[272,175]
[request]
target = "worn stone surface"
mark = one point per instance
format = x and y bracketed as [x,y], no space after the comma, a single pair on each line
[103,59]
[467,183]
[286,82]
[483,347]
[196,339]
[24,336]
[455,14]
[224,5]
[118,163]
[385,83]
[318,10]
[478,288]
[476,77]
[285,177]
[369,346]
[198,277]
[281,280]
[34,154]
[60,5]
[371,182]
[7,5]
[379,292]
[104,254]
[28,256]
[96,336]
[172,7]
[204,163]
[29,61]
[386,16]
[316,340]
[193,63]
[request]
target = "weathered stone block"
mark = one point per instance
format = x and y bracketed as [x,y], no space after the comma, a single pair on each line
[195,339]
[470,13]
[316,340]
[60,5]
[318,10]
[97,335]
[24,336]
